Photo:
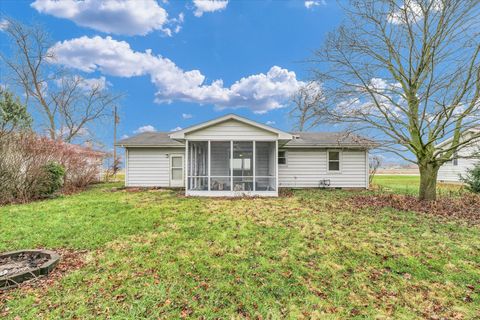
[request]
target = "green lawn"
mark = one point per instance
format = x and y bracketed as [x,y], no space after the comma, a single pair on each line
[408,184]
[157,254]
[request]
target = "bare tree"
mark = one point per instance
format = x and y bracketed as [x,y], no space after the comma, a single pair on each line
[68,103]
[304,101]
[374,163]
[408,73]
[80,103]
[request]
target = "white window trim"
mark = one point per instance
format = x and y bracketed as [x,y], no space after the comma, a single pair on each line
[286,158]
[340,160]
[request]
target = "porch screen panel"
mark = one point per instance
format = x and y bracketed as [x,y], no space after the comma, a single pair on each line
[265,166]
[220,166]
[242,166]
[198,165]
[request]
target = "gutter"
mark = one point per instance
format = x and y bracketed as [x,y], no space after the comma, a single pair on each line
[147,146]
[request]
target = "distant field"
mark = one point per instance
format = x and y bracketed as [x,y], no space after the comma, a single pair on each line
[408,184]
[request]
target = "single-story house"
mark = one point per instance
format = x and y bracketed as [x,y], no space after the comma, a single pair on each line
[234,156]
[464,159]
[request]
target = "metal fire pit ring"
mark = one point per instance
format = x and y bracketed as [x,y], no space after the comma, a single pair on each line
[10,281]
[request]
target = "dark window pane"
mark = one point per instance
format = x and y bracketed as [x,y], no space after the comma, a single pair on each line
[334,166]
[334,155]
[282,157]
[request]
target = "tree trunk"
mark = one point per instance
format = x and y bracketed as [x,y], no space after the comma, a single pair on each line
[428,181]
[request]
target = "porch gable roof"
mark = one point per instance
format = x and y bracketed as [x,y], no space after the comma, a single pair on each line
[179,135]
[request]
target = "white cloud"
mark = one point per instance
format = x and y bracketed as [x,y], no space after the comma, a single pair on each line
[86,83]
[270,123]
[260,92]
[187,116]
[387,97]
[310,4]
[99,83]
[176,129]
[64,131]
[411,10]
[147,128]
[3,24]
[208,6]
[124,17]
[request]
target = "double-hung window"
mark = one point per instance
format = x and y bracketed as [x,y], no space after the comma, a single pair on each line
[455,159]
[333,161]
[282,157]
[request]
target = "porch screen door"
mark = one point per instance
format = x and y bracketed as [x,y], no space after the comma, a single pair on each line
[176,171]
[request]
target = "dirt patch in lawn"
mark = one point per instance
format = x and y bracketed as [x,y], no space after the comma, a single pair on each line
[70,260]
[465,208]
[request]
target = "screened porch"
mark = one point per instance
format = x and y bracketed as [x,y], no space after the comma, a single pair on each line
[227,168]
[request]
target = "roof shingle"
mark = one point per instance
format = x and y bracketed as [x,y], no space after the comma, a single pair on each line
[301,139]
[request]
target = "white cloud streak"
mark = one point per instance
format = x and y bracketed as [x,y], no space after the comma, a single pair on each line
[411,10]
[259,92]
[123,17]
[3,24]
[202,6]
[310,4]
[147,128]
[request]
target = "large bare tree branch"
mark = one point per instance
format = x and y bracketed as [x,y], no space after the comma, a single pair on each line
[408,70]
[69,103]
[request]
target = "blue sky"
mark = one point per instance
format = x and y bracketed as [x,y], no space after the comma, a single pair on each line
[192,46]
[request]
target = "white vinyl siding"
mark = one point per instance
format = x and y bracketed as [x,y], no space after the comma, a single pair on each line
[307,167]
[149,167]
[232,130]
[451,173]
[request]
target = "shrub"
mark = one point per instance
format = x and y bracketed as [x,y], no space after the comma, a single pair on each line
[53,178]
[472,179]
[29,167]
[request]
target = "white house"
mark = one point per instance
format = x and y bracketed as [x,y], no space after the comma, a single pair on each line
[465,159]
[232,156]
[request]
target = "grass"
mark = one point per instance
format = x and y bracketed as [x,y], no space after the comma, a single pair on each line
[156,254]
[408,184]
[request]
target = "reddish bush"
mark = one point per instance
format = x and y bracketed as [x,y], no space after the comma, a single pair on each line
[23,157]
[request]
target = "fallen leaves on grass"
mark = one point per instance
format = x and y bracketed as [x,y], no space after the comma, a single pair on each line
[466,208]
[70,260]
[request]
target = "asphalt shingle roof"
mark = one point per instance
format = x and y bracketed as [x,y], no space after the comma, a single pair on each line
[301,139]
[150,139]
[320,139]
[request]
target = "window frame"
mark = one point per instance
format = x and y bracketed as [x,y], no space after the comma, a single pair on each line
[284,157]
[339,161]
[455,160]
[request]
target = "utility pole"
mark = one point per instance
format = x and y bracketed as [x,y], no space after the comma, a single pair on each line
[116,120]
